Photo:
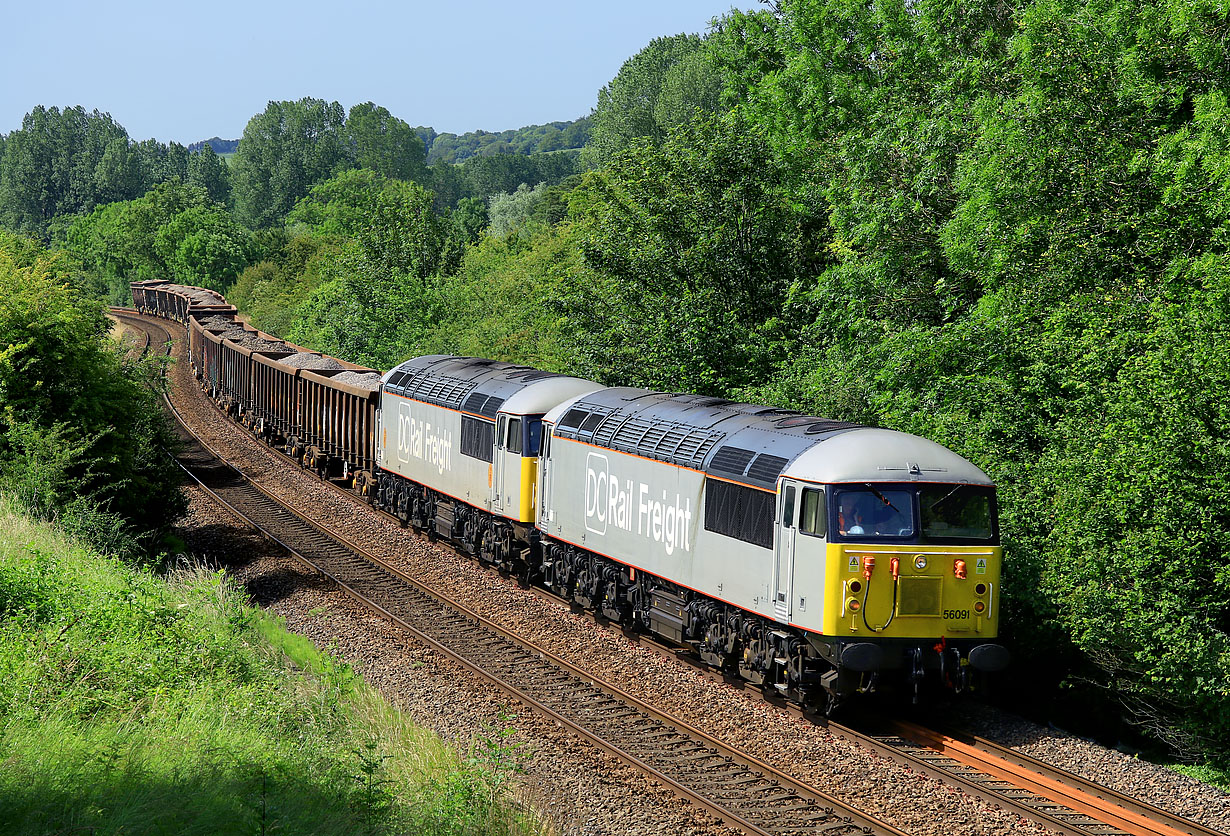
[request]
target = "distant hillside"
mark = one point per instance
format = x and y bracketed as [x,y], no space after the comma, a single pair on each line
[220,146]
[533,139]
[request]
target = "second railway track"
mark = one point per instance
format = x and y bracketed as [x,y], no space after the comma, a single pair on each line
[670,751]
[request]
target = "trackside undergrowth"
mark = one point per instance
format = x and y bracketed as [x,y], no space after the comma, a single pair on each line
[139,703]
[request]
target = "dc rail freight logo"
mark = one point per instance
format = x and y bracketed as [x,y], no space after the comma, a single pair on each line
[419,440]
[633,507]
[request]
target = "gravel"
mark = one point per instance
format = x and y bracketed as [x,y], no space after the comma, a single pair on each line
[579,790]
[306,360]
[360,380]
[582,787]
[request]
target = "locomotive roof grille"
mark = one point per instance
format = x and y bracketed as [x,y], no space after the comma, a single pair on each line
[592,422]
[480,403]
[572,419]
[766,468]
[441,390]
[732,460]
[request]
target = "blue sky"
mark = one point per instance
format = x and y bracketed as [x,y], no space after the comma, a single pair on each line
[189,71]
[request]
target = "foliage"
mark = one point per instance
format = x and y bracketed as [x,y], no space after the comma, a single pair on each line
[507,213]
[382,143]
[63,162]
[1026,220]
[533,139]
[496,304]
[82,437]
[271,291]
[661,87]
[377,292]
[689,251]
[486,176]
[174,232]
[284,151]
[216,144]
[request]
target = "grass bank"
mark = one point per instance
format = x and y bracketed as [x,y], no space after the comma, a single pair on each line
[137,703]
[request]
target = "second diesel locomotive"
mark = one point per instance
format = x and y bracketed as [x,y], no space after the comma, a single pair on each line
[814,557]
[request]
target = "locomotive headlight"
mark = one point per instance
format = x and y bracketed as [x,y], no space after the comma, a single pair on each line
[920,562]
[853,605]
[979,607]
[980,589]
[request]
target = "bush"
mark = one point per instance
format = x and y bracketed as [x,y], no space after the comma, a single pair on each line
[82,436]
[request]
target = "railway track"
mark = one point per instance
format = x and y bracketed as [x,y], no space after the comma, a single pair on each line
[731,785]
[1059,800]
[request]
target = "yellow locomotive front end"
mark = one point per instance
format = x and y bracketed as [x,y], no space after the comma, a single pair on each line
[904,591]
[912,581]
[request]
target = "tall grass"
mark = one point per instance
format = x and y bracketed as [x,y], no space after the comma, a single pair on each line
[135,703]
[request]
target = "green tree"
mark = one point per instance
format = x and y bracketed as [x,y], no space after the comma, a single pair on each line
[689,252]
[340,205]
[402,235]
[1025,228]
[204,246]
[207,170]
[284,151]
[509,213]
[173,232]
[61,163]
[660,87]
[385,144]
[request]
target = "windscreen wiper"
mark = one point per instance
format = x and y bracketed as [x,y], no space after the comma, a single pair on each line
[944,498]
[882,497]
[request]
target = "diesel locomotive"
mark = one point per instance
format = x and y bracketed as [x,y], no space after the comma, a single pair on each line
[813,557]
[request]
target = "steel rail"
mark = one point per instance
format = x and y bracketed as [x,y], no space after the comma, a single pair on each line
[1054,784]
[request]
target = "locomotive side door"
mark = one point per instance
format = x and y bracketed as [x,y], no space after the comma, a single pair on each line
[545,472]
[497,463]
[783,553]
[506,467]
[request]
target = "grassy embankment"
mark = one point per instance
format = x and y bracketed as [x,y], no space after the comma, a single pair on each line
[133,703]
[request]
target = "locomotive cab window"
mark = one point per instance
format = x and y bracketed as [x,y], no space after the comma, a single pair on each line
[957,513]
[813,518]
[533,435]
[515,442]
[873,512]
[788,506]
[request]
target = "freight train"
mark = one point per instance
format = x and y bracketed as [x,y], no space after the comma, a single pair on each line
[813,557]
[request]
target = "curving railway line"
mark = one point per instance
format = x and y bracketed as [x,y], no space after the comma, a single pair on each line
[732,785]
